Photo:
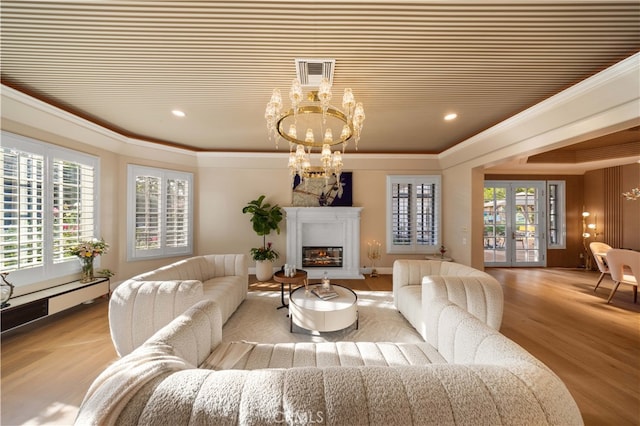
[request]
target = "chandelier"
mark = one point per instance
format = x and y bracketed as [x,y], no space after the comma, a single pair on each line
[632,195]
[320,121]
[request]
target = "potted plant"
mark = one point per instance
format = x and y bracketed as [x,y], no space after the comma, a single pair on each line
[264,218]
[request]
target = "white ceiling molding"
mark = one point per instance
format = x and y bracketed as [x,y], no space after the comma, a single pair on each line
[534,130]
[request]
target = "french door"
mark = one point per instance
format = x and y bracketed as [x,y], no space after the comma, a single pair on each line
[515,223]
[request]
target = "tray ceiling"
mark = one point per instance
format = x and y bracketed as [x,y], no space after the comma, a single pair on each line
[127,64]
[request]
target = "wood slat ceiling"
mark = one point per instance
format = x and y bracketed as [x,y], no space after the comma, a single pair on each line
[127,64]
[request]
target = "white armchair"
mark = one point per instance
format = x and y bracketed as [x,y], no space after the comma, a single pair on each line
[417,282]
[599,251]
[618,259]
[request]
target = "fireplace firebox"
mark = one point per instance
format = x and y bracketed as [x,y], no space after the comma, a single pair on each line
[322,257]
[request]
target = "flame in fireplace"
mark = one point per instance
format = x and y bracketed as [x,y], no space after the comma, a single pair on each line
[322,256]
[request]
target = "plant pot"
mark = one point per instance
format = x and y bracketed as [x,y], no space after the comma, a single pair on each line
[264,270]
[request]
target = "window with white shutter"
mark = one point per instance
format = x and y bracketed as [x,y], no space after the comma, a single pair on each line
[160,212]
[413,214]
[50,202]
[74,208]
[557,214]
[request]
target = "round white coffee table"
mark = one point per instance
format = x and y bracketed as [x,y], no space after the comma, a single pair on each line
[308,311]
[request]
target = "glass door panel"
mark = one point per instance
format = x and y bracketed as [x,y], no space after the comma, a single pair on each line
[527,230]
[514,224]
[495,224]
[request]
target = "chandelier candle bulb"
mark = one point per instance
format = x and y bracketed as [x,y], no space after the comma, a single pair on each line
[309,136]
[324,94]
[293,131]
[295,94]
[328,138]
[345,134]
[326,152]
[276,99]
[348,101]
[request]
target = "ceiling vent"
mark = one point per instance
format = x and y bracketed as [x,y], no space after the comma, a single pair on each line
[311,71]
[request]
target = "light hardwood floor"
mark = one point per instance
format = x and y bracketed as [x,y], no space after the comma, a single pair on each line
[553,313]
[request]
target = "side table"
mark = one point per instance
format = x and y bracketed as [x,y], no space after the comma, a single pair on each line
[300,278]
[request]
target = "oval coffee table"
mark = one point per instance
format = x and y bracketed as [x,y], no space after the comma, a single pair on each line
[308,311]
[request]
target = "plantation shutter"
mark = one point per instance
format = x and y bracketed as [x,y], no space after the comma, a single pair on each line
[21,236]
[413,212]
[177,212]
[148,233]
[401,213]
[73,206]
[160,211]
[49,203]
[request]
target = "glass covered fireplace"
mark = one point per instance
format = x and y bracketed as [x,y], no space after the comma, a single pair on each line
[324,257]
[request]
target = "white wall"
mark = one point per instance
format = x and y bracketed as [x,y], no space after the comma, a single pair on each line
[228,183]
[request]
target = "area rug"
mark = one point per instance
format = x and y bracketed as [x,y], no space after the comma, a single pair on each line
[258,320]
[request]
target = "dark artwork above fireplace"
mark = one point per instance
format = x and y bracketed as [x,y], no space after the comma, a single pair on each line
[322,257]
[316,192]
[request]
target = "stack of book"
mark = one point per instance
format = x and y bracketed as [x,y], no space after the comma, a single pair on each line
[324,294]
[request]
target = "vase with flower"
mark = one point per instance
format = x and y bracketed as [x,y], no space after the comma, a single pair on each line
[86,252]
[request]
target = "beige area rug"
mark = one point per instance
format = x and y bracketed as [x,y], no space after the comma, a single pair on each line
[258,320]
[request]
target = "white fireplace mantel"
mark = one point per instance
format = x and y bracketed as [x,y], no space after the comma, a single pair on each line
[325,226]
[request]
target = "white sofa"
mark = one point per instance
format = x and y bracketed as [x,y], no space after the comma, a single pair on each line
[465,373]
[147,302]
[417,282]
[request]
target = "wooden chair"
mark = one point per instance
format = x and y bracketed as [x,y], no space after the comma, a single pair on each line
[599,251]
[618,259]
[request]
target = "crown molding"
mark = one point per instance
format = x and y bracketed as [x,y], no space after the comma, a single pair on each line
[61,120]
[530,124]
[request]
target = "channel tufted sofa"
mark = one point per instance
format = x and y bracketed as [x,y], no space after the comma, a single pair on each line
[142,305]
[416,282]
[464,373]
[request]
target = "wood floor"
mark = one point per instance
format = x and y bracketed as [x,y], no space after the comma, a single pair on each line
[553,313]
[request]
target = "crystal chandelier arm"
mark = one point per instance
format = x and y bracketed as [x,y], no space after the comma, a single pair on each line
[295,94]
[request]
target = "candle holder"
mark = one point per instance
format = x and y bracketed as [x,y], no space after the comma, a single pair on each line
[373,253]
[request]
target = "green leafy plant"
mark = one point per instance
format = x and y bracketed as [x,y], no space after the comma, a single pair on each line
[107,273]
[264,219]
[264,253]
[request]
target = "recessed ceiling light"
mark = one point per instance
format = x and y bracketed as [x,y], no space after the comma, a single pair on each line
[451,116]
[178,113]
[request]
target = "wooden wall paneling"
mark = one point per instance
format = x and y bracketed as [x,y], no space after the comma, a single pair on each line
[612,206]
